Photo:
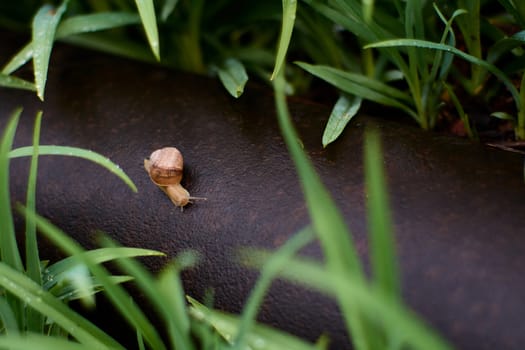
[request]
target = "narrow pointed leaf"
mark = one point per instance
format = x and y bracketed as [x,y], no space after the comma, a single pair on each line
[76,152]
[95,22]
[344,110]
[289,10]
[149,22]
[14,82]
[44,27]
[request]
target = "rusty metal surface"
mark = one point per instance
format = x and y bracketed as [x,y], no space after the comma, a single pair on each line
[458,206]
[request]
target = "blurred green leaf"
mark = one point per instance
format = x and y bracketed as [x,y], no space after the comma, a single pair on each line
[361,86]
[288,21]
[116,293]
[391,314]
[76,152]
[14,82]
[95,22]
[268,273]
[18,60]
[503,116]
[33,296]
[334,236]
[167,9]
[40,342]
[344,110]
[384,262]
[233,76]
[9,253]
[44,27]
[149,22]
[260,337]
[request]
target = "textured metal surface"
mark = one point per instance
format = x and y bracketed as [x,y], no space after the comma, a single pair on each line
[458,206]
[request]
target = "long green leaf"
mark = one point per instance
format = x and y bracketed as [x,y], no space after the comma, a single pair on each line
[148,286]
[344,110]
[149,22]
[385,270]
[334,236]
[98,256]
[35,297]
[393,315]
[8,247]
[362,86]
[233,76]
[268,273]
[44,27]
[35,321]
[76,152]
[447,48]
[118,296]
[289,10]
[14,82]
[261,337]
[40,342]
[22,57]
[95,22]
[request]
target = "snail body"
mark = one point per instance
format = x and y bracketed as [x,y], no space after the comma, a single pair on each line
[164,168]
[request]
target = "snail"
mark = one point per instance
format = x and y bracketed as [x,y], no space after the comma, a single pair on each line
[165,170]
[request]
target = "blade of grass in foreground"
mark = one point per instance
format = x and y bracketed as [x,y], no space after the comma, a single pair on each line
[116,293]
[35,321]
[8,248]
[44,27]
[335,238]
[394,315]
[384,263]
[35,297]
[40,342]
[14,82]
[149,287]
[76,152]
[268,272]
[260,337]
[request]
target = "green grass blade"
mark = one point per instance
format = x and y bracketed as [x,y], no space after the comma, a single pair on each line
[35,321]
[447,48]
[171,291]
[8,247]
[149,22]
[7,318]
[40,342]
[261,336]
[289,10]
[44,27]
[344,110]
[335,238]
[76,152]
[17,83]
[362,86]
[385,270]
[394,315]
[167,9]
[118,296]
[36,298]
[233,76]
[95,22]
[54,273]
[268,272]
[165,302]
[461,112]
[22,57]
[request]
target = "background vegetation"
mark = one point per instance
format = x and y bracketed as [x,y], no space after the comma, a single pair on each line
[420,57]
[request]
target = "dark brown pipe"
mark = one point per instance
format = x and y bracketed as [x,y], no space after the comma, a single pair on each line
[458,206]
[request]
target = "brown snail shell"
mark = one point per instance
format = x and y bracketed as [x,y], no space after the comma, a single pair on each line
[165,167]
